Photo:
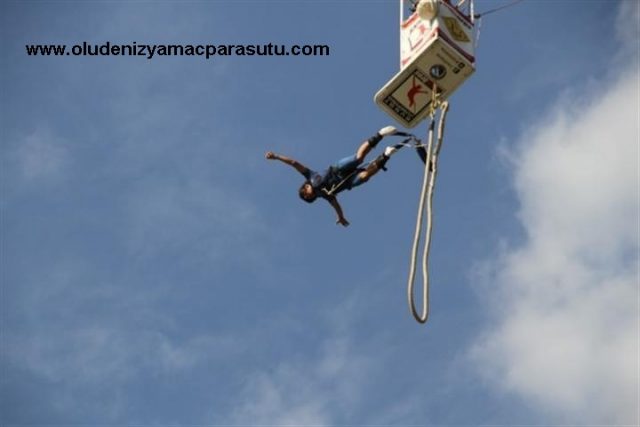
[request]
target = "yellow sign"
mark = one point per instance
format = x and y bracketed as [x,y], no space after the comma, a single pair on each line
[456,31]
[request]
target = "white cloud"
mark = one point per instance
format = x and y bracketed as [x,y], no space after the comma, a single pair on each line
[203,216]
[281,398]
[110,354]
[96,365]
[627,28]
[320,390]
[565,329]
[41,156]
[86,340]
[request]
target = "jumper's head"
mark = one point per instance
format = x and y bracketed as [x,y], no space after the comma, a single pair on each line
[307,193]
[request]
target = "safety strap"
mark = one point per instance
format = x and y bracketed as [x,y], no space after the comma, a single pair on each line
[426,198]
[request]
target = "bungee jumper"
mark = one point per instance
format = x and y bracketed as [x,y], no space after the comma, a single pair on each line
[345,174]
[437,55]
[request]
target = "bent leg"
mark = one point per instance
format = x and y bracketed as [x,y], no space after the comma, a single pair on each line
[347,164]
[371,169]
[367,146]
[360,178]
[363,150]
[377,164]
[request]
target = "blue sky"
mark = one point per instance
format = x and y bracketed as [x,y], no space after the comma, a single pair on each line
[157,270]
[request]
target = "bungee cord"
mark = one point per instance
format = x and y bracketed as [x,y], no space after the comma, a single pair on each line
[426,200]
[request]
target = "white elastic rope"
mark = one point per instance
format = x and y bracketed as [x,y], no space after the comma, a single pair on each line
[426,197]
[421,318]
[472,11]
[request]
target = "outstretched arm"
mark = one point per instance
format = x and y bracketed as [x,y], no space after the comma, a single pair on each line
[295,164]
[336,206]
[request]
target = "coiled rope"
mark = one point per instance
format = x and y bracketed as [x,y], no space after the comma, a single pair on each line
[426,198]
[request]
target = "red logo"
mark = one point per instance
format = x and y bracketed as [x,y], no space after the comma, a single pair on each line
[414,91]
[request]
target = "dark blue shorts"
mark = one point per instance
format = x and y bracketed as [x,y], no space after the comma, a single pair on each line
[348,170]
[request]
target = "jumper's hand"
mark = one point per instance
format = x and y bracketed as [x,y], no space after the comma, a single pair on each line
[342,221]
[270,155]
